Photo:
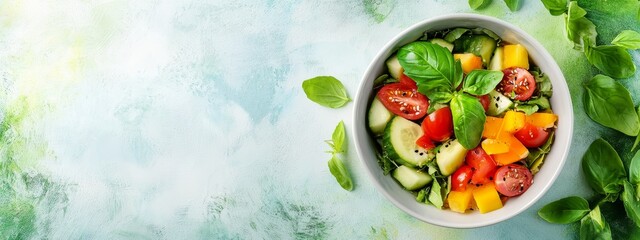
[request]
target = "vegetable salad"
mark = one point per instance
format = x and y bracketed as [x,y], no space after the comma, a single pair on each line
[463,119]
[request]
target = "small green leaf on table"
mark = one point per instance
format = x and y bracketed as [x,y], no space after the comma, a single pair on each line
[603,168]
[339,171]
[614,61]
[566,210]
[593,226]
[609,103]
[555,7]
[628,39]
[326,91]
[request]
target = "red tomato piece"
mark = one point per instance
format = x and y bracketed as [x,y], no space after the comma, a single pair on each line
[404,79]
[461,177]
[404,101]
[484,100]
[531,136]
[517,81]
[425,142]
[439,124]
[513,180]
[482,163]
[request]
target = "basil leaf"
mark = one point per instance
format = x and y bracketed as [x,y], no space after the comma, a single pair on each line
[337,169]
[468,119]
[579,28]
[455,34]
[528,109]
[612,60]
[326,91]
[594,227]
[458,74]
[609,103]
[513,5]
[635,144]
[480,82]
[555,7]
[477,4]
[603,168]
[566,210]
[627,39]
[634,169]
[631,203]
[338,138]
[435,195]
[430,65]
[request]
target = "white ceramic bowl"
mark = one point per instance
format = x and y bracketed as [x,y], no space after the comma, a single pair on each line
[560,102]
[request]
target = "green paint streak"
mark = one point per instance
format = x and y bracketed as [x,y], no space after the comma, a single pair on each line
[382,233]
[379,9]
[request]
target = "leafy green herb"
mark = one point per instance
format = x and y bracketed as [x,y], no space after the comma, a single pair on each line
[536,156]
[543,83]
[528,109]
[468,119]
[634,169]
[480,82]
[631,202]
[487,32]
[435,195]
[555,7]
[593,226]
[338,143]
[338,170]
[455,34]
[635,144]
[628,39]
[382,80]
[541,102]
[566,210]
[431,66]
[385,162]
[422,195]
[513,5]
[613,61]
[477,4]
[326,91]
[609,103]
[580,30]
[603,168]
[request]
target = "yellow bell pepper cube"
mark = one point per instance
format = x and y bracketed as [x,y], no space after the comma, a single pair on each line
[513,121]
[487,198]
[459,200]
[494,146]
[543,120]
[491,127]
[516,151]
[469,61]
[515,56]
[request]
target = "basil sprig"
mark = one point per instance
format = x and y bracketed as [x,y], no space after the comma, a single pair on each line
[593,226]
[326,91]
[336,167]
[609,103]
[580,30]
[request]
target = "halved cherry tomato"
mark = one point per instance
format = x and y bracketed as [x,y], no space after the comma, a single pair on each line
[404,101]
[404,79]
[513,180]
[425,142]
[519,81]
[439,124]
[531,136]
[484,100]
[461,178]
[482,163]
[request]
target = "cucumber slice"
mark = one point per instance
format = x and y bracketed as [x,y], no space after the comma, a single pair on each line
[379,116]
[496,60]
[399,142]
[480,45]
[498,103]
[442,43]
[450,157]
[395,69]
[411,179]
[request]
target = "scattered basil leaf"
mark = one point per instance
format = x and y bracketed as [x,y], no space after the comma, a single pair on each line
[468,119]
[338,170]
[579,28]
[477,4]
[480,82]
[631,203]
[555,7]
[513,5]
[435,195]
[566,210]
[634,169]
[593,226]
[635,144]
[609,103]
[613,61]
[455,34]
[338,138]
[603,168]
[326,91]
[431,66]
[528,109]
[628,39]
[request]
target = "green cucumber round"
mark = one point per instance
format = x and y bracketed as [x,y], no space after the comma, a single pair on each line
[400,143]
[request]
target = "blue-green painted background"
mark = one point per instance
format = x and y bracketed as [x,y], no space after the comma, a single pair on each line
[185,119]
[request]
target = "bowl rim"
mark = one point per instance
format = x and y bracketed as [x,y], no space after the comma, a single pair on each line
[387,49]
